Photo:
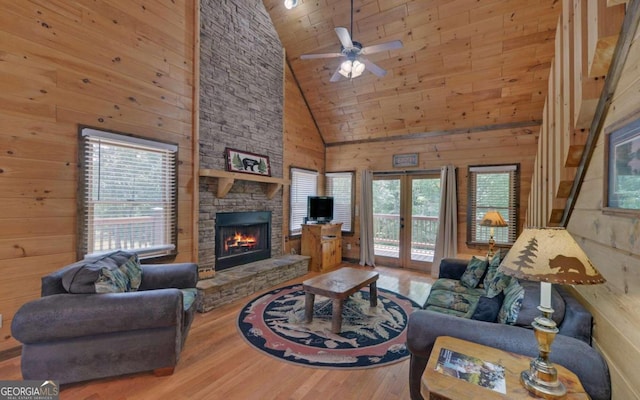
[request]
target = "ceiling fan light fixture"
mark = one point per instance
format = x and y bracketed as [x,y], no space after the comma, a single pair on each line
[357,69]
[351,69]
[289,4]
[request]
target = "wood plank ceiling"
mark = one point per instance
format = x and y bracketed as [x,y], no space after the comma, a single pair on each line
[465,64]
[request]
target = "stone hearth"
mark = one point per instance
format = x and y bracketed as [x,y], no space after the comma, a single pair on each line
[237,282]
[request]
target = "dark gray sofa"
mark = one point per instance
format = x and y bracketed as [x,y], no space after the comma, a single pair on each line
[571,348]
[76,337]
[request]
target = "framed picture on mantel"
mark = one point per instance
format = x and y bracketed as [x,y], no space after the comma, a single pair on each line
[246,162]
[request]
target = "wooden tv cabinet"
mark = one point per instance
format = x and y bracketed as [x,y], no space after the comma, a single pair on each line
[323,243]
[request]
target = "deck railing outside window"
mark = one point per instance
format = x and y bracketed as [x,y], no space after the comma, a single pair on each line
[387,230]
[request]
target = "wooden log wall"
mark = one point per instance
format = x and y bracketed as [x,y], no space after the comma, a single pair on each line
[503,146]
[123,65]
[590,31]
[613,244]
[303,148]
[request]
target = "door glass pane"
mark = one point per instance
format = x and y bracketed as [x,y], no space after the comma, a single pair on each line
[425,209]
[386,217]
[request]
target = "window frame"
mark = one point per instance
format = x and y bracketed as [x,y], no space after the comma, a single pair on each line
[614,137]
[292,170]
[328,176]
[88,133]
[514,204]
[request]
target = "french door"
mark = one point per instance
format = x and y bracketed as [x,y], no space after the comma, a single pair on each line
[405,218]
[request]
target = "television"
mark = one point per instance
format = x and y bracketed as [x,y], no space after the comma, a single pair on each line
[320,209]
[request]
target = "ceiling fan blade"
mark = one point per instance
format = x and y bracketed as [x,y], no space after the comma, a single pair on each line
[336,75]
[325,55]
[396,44]
[373,67]
[345,38]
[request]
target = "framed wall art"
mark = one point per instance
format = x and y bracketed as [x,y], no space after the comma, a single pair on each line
[405,160]
[622,183]
[246,162]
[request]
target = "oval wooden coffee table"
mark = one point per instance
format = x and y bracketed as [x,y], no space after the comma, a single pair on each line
[338,285]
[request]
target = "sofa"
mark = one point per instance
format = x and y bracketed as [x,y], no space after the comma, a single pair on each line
[477,321]
[96,319]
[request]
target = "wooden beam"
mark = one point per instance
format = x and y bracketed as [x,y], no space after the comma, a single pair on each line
[422,135]
[627,33]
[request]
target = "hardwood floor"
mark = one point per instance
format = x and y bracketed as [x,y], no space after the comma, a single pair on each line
[217,363]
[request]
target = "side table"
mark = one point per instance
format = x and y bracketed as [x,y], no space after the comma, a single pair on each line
[437,386]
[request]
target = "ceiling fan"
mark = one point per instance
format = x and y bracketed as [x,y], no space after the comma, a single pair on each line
[355,63]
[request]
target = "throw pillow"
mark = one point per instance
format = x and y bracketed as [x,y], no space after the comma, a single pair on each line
[132,269]
[475,270]
[495,281]
[98,275]
[513,295]
[488,308]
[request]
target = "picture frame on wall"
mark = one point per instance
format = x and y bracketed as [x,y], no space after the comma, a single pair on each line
[622,182]
[246,162]
[405,160]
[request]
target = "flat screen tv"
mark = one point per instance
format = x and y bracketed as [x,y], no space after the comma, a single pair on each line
[320,209]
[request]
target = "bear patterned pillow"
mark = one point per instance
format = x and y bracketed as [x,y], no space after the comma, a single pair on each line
[475,269]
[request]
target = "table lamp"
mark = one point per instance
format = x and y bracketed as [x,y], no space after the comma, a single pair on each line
[492,219]
[547,255]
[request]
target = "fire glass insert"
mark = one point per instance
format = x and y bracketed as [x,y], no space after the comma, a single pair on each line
[242,237]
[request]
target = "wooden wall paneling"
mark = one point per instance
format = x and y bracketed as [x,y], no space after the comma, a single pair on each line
[586,89]
[556,135]
[54,77]
[605,22]
[303,148]
[628,81]
[611,243]
[568,171]
[194,227]
[461,150]
[548,159]
[611,3]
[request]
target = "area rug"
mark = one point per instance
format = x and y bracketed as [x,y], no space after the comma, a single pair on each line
[275,324]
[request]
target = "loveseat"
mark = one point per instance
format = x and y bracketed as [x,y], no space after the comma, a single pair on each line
[137,321]
[571,348]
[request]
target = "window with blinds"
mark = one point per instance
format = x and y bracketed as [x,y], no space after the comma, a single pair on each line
[496,188]
[128,195]
[339,185]
[304,183]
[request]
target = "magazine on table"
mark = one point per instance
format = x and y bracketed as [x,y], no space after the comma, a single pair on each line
[472,369]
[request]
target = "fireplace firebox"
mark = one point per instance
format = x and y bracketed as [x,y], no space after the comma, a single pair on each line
[242,237]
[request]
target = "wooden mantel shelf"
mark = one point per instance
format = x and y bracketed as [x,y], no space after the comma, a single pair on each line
[226,180]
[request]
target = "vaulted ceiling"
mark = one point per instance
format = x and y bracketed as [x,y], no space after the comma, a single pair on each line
[465,65]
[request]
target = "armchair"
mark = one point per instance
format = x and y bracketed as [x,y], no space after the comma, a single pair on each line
[72,337]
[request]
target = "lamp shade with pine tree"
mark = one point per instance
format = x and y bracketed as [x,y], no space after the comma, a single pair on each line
[549,255]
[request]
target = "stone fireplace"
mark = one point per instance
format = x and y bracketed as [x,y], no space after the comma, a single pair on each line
[242,237]
[241,107]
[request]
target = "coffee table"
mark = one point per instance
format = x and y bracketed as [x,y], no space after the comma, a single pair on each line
[438,386]
[339,285]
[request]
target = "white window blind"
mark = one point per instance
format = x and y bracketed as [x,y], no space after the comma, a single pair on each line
[304,183]
[493,188]
[339,185]
[129,194]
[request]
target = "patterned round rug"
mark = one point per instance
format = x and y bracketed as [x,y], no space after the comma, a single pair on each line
[274,323]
